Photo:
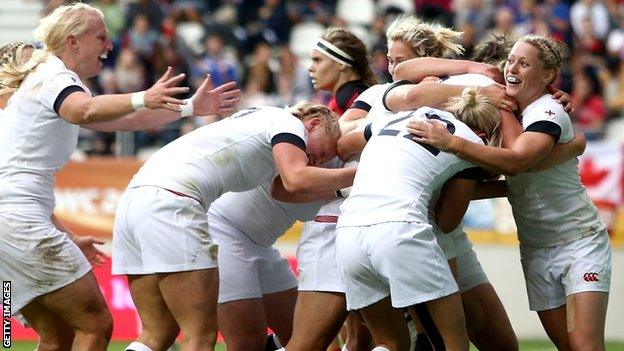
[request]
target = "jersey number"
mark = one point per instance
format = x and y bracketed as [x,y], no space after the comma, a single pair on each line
[394,132]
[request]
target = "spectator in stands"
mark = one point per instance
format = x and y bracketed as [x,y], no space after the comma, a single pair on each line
[113,16]
[590,115]
[142,37]
[594,12]
[216,60]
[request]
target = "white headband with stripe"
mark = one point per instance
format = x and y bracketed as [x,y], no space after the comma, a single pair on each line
[333,52]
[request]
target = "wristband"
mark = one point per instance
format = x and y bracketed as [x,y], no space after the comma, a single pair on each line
[138,100]
[186,110]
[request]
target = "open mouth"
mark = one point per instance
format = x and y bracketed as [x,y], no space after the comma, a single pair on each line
[512,80]
[103,57]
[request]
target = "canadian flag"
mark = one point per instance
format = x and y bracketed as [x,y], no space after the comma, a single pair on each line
[601,169]
[602,172]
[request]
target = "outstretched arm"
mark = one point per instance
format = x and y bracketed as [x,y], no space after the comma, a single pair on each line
[207,101]
[418,68]
[81,108]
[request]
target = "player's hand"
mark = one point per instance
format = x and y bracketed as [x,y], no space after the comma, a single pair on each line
[487,70]
[160,95]
[94,255]
[220,101]
[563,98]
[430,132]
[497,94]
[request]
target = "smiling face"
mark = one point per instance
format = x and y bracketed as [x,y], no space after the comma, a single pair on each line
[398,51]
[525,76]
[92,47]
[324,71]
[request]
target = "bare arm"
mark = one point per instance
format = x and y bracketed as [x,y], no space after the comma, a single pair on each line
[412,96]
[297,176]
[510,128]
[528,149]
[81,108]
[489,189]
[418,68]
[562,153]
[219,102]
[278,192]
[453,203]
[352,143]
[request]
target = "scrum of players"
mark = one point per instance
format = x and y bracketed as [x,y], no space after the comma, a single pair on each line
[381,177]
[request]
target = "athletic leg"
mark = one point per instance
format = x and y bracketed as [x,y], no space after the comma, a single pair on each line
[54,333]
[159,328]
[317,320]
[192,299]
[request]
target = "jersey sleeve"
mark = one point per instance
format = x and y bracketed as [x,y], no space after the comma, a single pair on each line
[392,86]
[548,118]
[366,100]
[288,129]
[57,88]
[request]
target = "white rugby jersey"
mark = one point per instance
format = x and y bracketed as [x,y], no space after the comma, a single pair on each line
[469,79]
[35,142]
[234,154]
[397,177]
[551,207]
[259,216]
[370,97]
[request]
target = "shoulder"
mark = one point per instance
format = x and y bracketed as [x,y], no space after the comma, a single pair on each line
[348,92]
[545,109]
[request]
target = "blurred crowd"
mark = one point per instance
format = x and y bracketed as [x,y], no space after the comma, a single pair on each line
[260,44]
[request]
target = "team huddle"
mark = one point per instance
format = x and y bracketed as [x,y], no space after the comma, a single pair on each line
[381,178]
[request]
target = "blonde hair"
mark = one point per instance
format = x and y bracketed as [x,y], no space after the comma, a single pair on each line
[478,113]
[305,110]
[550,51]
[53,30]
[348,42]
[425,39]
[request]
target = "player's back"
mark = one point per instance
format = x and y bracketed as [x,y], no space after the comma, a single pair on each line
[397,176]
[234,154]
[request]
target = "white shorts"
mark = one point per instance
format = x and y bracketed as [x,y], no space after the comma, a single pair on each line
[316,258]
[400,259]
[555,272]
[157,231]
[453,244]
[469,271]
[247,270]
[37,259]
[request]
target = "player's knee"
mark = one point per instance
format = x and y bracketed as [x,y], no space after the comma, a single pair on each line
[586,342]
[54,344]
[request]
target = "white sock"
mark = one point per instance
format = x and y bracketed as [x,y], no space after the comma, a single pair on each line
[344,348]
[137,346]
[380,348]
[282,349]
